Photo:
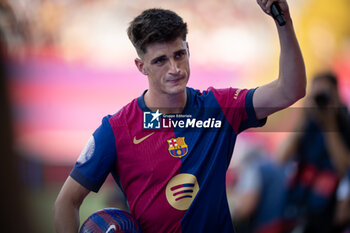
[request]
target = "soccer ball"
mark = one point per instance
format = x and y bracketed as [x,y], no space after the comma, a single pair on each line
[110,220]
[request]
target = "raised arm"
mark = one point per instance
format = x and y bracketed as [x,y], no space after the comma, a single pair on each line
[291,83]
[67,205]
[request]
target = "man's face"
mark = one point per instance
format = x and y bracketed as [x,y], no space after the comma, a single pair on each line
[167,66]
[325,92]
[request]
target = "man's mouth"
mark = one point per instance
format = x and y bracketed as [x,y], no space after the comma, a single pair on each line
[175,79]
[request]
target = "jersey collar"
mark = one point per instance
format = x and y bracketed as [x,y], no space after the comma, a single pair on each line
[144,108]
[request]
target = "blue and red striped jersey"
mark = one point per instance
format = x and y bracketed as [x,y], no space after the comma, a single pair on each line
[171,167]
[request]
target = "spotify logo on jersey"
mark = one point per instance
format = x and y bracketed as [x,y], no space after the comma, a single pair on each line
[181,191]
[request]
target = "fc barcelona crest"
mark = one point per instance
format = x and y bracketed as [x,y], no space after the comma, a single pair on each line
[177,147]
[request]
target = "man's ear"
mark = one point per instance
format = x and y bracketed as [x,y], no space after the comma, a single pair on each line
[187,49]
[140,66]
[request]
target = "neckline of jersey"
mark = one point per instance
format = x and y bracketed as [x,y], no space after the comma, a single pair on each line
[141,102]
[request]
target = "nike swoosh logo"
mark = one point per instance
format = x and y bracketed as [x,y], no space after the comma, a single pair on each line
[112,227]
[137,141]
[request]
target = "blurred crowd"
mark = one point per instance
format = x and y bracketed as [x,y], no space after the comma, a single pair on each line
[306,187]
[95,30]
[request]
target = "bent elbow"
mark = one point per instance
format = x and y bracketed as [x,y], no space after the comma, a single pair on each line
[298,96]
[299,93]
[294,97]
[56,207]
[302,89]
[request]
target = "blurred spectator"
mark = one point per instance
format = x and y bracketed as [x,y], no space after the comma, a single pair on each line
[342,213]
[14,32]
[321,150]
[260,195]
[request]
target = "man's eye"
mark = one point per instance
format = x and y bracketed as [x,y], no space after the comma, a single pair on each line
[180,54]
[160,61]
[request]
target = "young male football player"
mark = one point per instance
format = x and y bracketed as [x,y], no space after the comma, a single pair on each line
[172,167]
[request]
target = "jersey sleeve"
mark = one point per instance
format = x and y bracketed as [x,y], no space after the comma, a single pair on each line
[237,105]
[97,159]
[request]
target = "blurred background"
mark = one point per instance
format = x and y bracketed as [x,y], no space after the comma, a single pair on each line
[68,63]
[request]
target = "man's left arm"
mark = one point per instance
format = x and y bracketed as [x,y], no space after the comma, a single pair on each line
[291,83]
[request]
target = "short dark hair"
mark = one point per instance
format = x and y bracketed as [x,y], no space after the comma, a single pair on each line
[328,76]
[155,26]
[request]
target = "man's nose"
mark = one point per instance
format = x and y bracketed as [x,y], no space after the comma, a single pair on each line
[174,67]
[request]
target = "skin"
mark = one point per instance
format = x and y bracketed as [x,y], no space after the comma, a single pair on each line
[167,81]
[291,83]
[168,78]
[67,205]
[167,68]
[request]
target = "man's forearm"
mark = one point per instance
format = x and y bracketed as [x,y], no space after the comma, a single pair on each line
[67,205]
[292,75]
[66,218]
[291,83]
